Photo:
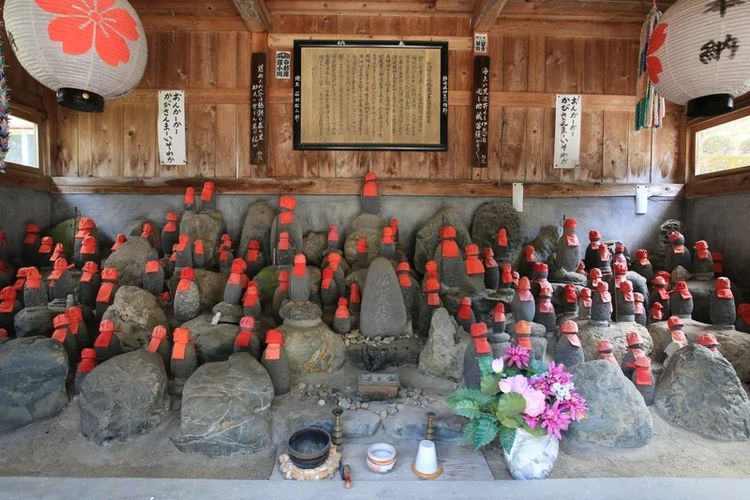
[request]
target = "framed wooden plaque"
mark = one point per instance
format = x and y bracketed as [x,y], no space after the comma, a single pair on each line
[370,95]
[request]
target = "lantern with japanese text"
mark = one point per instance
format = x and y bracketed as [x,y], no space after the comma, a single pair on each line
[85,50]
[699,54]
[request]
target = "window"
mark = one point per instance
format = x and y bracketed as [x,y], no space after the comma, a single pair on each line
[723,147]
[24,142]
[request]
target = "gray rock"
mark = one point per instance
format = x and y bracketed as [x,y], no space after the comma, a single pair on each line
[411,425]
[257,226]
[383,312]
[680,274]
[124,397]
[617,415]
[376,356]
[300,311]
[590,336]
[441,355]
[32,384]
[213,343]
[135,228]
[210,286]
[427,237]
[229,313]
[205,226]
[366,226]
[701,392]
[313,246]
[226,408]
[313,349]
[130,261]
[545,245]
[34,321]
[135,313]
[489,219]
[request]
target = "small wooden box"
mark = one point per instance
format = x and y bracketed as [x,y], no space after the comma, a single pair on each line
[378,385]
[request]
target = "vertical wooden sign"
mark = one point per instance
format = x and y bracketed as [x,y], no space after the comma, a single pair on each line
[258,105]
[481,111]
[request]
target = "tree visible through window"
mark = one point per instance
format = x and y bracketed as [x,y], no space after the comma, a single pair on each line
[24,142]
[723,147]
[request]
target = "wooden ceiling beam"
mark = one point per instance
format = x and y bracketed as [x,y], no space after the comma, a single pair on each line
[486,13]
[255,14]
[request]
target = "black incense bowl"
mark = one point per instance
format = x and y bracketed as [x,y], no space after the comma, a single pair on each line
[308,448]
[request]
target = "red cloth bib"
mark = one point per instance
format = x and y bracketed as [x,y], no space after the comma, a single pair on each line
[606,297]
[182,286]
[370,189]
[464,312]
[30,239]
[153,345]
[483,347]
[573,338]
[252,256]
[273,351]
[86,365]
[628,297]
[595,245]
[724,293]
[608,356]
[703,254]
[404,280]
[449,249]
[6,306]
[639,309]
[170,227]
[572,240]
[342,312]
[178,351]
[86,277]
[474,266]
[433,299]
[104,294]
[152,266]
[103,340]
[663,293]
[523,341]
[642,376]
[586,302]
[243,338]
[678,249]
[545,306]
[525,296]
[286,217]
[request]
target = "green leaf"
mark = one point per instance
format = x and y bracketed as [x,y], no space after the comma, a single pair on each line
[511,422]
[507,437]
[468,409]
[510,372]
[538,367]
[469,431]
[490,383]
[534,432]
[485,433]
[464,394]
[485,365]
[510,405]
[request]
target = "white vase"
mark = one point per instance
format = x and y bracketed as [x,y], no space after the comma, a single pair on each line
[532,457]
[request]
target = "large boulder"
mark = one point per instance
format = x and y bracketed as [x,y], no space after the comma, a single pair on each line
[616,333]
[130,260]
[124,397]
[210,286]
[34,321]
[32,381]
[313,349]
[267,280]
[135,312]
[545,245]
[207,227]
[442,355]
[366,226]
[701,392]
[213,343]
[313,246]
[617,415]
[258,222]
[427,237]
[489,219]
[226,408]
[135,228]
[383,313]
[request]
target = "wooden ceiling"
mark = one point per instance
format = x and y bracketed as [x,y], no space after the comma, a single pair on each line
[258,15]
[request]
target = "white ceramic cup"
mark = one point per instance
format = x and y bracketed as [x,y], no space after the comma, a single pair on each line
[381,458]
[426,462]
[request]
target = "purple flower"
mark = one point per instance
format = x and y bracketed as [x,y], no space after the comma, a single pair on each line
[576,405]
[532,422]
[557,373]
[516,355]
[555,420]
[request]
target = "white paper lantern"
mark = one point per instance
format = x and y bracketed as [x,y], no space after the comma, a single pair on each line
[699,54]
[85,50]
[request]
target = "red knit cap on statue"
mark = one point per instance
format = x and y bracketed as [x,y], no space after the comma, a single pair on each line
[158,334]
[189,198]
[300,265]
[342,310]
[187,275]
[701,248]
[675,323]
[502,237]
[541,267]
[570,330]
[723,288]
[326,278]
[498,314]
[634,338]
[682,288]
[570,224]
[570,293]
[333,233]
[708,340]
[675,235]
[207,191]
[387,238]
[594,235]
[274,336]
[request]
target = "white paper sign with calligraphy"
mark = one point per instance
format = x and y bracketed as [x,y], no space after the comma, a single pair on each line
[567,130]
[171,127]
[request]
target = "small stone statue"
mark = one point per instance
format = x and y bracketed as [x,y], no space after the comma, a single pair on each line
[388,244]
[591,257]
[522,335]
[62,334]
[20,279]
[281,294]
[404,282]
[159,343]
[189,200]
[107,344]
[334,262]
[545,311]
[491,270]
[703,263]
[431,303]
[678,255]
[45,252]
[362,253]
[498,339]
[8,307]
[601,307]
[299,282]
[568,247]
[568,350]
[635,349]
[474,278]
[718,259]
[708,340]
[57,253]
[187,299]
[86,366]
[31,244]
[34,294]
[287,222]
[333,238]
[251,302]
[540,275]
[625,302]
[581,269]
[605,352]
[184,357]
[106,294]
[276,363]
[523,302]
[640,309]
[226,256]
[621,271]
[721,306]
[245,340]
[170,233]
[678,338]
[620,257]
[153,275]
[656,313]
[208,200]
[659,294]
[530,260]
[342,320]
[61,282]
[681,300]
[431,271]
[89,251]
[78,327]
[502,244]
[605,261]
[370,197]
[355,298]
[253,258]
[199,255]
[479,347]
[448,257]
[283,250]
[183,253]
[329,293]
[120,240]
[235,283]
[570,300]
[642,265]
[147,233]
[516,277]
[506,278]
[465,315]
[498,318]
[88,286]
[595,277]
[394,227]
[643,380]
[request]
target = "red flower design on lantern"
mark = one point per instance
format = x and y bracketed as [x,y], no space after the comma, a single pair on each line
[653,63]
[86,23]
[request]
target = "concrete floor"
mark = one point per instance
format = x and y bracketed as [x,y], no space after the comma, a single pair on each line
[16,488]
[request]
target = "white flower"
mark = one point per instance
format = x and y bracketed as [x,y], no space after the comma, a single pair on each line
[497,365]
[562,391]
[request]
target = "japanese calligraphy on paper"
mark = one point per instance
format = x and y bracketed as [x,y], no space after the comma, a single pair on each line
[258,109]
[481,110]
[567,131]
[171,126]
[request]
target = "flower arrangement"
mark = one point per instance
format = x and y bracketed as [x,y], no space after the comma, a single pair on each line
[4,112]
[518,393]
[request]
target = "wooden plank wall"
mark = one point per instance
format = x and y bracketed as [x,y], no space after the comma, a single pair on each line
[209,57]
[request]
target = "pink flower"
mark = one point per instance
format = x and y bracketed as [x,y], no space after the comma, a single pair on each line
[532,422]
[516,355]
[576,405]
[555,420]
[518,384]
[497,365]
[536,402]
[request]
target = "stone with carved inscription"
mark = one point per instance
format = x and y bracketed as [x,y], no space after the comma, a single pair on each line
[383,312]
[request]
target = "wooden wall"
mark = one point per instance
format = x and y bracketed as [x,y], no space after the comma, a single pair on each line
[204,48]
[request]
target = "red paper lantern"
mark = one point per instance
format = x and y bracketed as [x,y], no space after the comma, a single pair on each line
[85,50]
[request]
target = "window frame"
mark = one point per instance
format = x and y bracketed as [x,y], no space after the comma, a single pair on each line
[39,117]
